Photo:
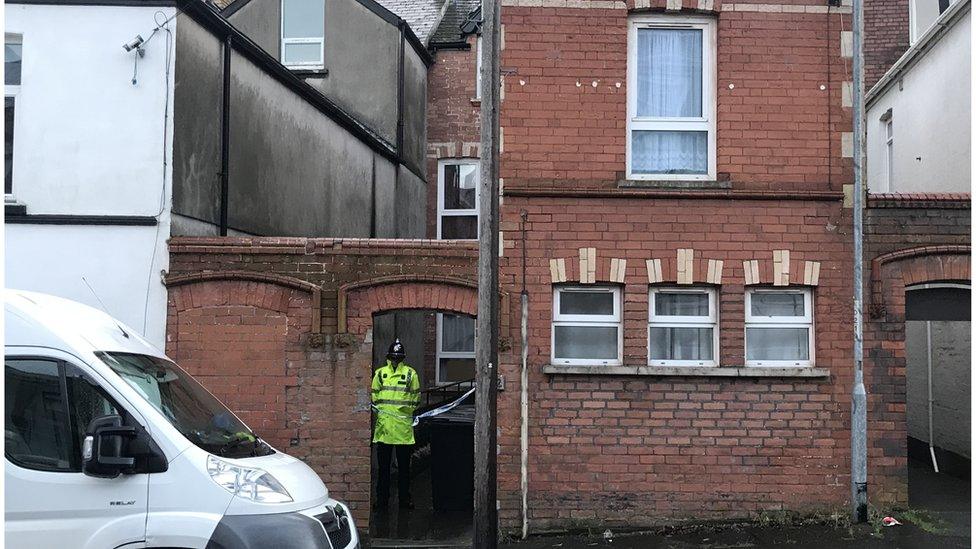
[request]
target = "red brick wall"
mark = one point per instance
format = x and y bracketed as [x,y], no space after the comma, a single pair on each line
[776,129]
[633,450]
[900,233]
[453,130]
[885,37]
[258,321]
[242,341]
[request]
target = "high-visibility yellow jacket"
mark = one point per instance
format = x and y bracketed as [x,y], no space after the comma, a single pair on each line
[396,393]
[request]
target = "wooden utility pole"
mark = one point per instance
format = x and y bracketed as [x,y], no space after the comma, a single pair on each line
[486,357]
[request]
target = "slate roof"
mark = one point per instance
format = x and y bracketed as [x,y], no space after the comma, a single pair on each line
[457,14]
[422,15]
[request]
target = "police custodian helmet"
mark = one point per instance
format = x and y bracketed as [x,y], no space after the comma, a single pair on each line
[396,351]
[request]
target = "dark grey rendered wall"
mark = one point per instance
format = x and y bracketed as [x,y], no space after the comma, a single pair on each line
[196,130]
[293,170]
[361,55]
[414,111]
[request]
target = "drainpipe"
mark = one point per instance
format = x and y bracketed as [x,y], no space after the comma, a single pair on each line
[859,397]
[225,139]
[928,356]
[524,383]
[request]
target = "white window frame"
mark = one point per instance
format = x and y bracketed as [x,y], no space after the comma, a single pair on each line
[709,78]
[670,321]
[320,40]
[889,132]
[443,212]
[14,92]
[615,319]
[805,321]
[449,354]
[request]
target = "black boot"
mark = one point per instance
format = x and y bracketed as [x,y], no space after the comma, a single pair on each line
[406,503]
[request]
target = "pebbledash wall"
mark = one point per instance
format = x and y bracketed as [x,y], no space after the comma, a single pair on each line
[281,330]
[635,445]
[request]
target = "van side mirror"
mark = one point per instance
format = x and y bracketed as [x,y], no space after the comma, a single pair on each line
[103,452]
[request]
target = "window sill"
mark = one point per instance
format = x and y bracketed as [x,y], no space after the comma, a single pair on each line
[475,100]
[690,371]
[310,73]
[673,184]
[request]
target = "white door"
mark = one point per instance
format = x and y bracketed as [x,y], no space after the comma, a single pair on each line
[49,502]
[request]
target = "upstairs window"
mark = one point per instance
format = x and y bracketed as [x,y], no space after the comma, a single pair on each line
[671,98]
[457,199]
[303,34]
[12,50]
[455,348]
[586,326]
[889,152]
[683,327]
[779,327]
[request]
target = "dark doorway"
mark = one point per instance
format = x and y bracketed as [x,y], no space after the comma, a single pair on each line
[938,376]
[440,347]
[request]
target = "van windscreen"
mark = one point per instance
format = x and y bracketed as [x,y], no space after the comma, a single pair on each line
[187,405]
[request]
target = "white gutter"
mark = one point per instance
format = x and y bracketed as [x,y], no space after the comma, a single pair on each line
[939,28]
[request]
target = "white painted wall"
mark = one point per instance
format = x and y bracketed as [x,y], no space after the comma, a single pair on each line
[931,114]
[951,382]
[89,142]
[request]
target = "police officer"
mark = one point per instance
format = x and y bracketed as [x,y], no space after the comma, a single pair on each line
[396,394]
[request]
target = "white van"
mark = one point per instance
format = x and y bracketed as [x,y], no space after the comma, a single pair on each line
[109,444]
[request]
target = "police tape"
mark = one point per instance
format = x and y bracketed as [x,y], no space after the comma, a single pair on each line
[429,413]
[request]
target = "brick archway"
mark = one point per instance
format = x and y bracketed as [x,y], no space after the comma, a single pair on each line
[885,352]
[242,337]
[892,272]
[358,302]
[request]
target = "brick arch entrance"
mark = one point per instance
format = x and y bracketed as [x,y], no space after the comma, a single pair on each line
[357,304]
[885,350]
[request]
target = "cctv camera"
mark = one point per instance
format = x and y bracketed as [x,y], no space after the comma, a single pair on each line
[133,44]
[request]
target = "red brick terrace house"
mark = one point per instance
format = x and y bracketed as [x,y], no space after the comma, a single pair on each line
[677,174]
[682,170]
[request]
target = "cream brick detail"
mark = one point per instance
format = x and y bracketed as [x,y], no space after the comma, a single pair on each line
[587,266]
[714,271]
[848,196]
[618,269]
[706,5]
[811,273]
[686,266]
[847,144]
[781,267]
[557,270]
[750,268]
[501,140]
[847,94]
[591,265]
[846,44]
[501,40]
[673,5]
[654,271]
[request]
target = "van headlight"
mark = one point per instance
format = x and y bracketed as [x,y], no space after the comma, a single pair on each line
[247,482]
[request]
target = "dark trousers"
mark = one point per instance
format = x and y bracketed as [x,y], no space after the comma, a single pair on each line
[384,452]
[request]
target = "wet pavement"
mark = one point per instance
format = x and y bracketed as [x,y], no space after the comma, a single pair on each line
[421,526]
